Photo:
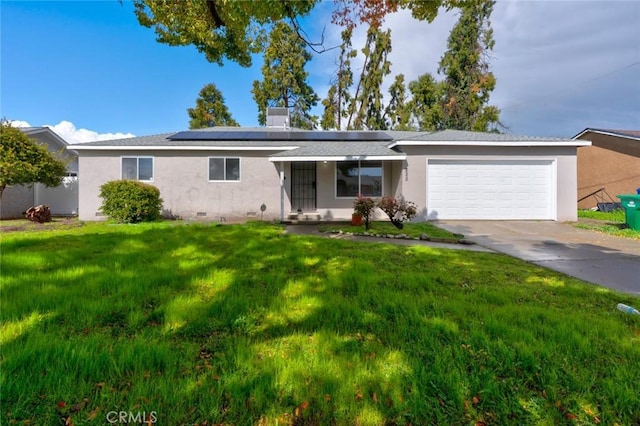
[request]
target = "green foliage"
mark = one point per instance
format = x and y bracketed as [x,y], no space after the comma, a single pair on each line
[366,108]
[221,30]
[426,103]
[364,206]
[284,79]
[24,161]
[398,111]
[468,82]
[235,30]
[130,201]
[210,110]
[398,210]
[336,104]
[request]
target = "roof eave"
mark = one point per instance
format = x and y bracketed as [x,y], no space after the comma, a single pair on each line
[363,157]
[604,132]
[180,148]
[490,143]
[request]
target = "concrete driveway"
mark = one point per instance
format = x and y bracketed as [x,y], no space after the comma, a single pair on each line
[609,261]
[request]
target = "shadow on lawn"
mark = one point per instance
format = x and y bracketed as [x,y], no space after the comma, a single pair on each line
[275,327]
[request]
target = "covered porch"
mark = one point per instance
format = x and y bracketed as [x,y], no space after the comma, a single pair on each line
[318,186]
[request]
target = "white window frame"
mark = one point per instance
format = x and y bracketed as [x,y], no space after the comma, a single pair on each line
[350,197]
[137,158]
[225,169]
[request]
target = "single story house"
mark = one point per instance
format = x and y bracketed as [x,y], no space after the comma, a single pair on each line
[63,199]
[608,167]
[231,173]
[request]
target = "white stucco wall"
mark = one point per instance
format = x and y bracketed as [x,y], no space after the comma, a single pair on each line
[415,180]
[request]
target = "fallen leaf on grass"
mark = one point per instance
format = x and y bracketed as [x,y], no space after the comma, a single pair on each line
[475,400]
[93,413]
[571,416]
[61,404]
[375,397]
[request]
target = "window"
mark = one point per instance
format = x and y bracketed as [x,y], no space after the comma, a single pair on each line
[359,177]
[137,168]
[224,169]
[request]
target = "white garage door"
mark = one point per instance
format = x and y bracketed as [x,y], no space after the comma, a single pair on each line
[490,189]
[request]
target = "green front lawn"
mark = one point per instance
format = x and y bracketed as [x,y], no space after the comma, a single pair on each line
[243,324]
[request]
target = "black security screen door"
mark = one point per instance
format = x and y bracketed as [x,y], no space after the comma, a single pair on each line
[303,186]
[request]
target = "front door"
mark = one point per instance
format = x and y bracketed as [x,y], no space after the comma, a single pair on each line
[303,186]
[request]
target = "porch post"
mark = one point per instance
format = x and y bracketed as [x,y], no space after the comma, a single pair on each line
[281,191]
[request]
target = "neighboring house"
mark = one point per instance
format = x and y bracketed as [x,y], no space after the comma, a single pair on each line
[63,199]
[231,173]
[611,164]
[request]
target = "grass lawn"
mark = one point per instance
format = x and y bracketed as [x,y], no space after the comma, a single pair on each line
[242,324]
[386,228]
[607,222]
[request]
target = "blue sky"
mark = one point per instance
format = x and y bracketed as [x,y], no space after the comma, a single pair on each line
[91,71]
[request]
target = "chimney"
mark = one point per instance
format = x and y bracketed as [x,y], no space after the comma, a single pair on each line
[278,117]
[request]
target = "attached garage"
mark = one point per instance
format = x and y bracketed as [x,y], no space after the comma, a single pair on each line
[455,174]
[491,189]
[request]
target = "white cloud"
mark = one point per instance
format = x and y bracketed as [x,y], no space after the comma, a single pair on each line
[18,123]
[68,131]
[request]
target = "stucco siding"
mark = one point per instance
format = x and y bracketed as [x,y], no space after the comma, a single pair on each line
[414,188]
[617,171]
[183,181]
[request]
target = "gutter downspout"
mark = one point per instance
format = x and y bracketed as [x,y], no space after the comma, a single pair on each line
[281,191]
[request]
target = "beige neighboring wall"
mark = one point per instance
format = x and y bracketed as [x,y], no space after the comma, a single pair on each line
[612,163]
[415,181]
[182,178]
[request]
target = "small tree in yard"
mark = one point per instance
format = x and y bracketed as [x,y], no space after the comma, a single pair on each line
[364,206]
[24,161]
[130,201]
[398,210]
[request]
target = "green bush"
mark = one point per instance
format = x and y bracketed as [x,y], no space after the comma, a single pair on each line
[130,201]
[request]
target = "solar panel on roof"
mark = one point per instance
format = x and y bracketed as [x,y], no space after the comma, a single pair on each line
[284,135]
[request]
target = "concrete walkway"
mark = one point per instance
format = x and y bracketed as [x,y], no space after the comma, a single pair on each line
[609,261]
[312,229]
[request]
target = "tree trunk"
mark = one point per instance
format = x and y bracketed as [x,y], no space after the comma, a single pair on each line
[39,214]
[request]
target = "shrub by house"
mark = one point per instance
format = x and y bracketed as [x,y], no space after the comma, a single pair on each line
[130,201]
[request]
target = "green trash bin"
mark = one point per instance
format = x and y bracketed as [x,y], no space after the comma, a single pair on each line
[631,205]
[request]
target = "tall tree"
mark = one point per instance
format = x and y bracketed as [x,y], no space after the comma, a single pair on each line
[366,110]
[24,161]
[468,81]
[210,110]
[284,82]
[398,111]
[426,103]
[339,97]
[235,30]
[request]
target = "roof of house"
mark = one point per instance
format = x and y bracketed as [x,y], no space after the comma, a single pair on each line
[308,145]
[627,134]
[33,131]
